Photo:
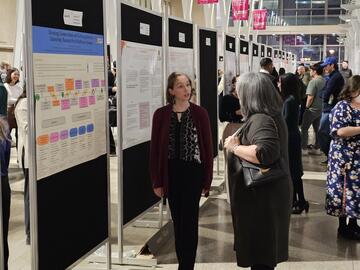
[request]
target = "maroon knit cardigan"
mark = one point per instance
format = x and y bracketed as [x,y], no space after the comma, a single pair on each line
[160,142]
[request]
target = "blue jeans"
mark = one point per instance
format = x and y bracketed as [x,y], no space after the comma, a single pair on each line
[324,133]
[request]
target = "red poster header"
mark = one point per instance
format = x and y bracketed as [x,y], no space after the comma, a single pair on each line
[207,1]
[259,19]
[240,10]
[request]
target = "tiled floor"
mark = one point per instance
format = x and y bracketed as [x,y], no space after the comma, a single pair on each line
[313,240]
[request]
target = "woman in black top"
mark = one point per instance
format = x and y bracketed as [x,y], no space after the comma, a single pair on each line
[229,106]
[290,94]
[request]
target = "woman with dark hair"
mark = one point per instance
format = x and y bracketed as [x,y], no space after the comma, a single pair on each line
[343,176]
[14,90]
[21,115]
[229,107]
[261,215]
[5,145]
[281,71]
[181,161]
[290,94]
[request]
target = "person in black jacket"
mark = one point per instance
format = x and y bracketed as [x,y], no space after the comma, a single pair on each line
[229,106]
[330,94]
[267,67]
[291,96]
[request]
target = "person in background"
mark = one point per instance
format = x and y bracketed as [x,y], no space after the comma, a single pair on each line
[345,71]
[181,162]
[330,95]
[281,71]
[21,115]
[5,146]
[229,107]
[343,175]
[290,94]
[261,215]
[14,90]
[4,68]
[266,67]
[312,112]
[3,100]
[304,79]
[112,89]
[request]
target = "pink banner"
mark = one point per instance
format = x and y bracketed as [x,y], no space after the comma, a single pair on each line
[240,10]
[207,1]
[259,19]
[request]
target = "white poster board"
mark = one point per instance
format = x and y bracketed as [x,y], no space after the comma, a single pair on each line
[70,98]
[181,60]
[255,62]
[142,90]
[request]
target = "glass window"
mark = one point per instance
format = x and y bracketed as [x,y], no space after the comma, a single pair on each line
[302,39]
[273,40]
[289,40]
[318,12]
[317,39]
[334,11]
[289,4]
[332,51]
[332,40]
[262,39]
[294,50]
[306,12]
[303,4]
[333,3]
[289,12]
[312,53]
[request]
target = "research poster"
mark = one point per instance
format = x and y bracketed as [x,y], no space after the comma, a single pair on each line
[142,90]
[255,58]
[230,69]
[181,60]
[70,98]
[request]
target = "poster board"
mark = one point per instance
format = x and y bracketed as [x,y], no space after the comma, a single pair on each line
[180,47]
[263,51]
[276,59]
[207,48]
[141,77]
[229,61]
[269,53]
[255,62]
[67,104]
[243,56]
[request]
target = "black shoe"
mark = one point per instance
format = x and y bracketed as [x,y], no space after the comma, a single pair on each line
[300,207]
[348,233]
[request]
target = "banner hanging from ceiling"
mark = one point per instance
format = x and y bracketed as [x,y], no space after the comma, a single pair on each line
[207,1]
[240,10]
[259,19]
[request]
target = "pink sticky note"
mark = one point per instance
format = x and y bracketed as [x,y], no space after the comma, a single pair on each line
[65,104]
[83,102]
[102,83]
[54,137]
[91,100]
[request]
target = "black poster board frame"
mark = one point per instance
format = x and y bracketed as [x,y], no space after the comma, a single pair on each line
[69,209]
[134,160]
[207,53]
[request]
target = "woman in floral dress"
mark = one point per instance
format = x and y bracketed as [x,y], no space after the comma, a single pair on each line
[344,161]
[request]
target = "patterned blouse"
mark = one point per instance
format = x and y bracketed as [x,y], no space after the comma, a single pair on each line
[183,138]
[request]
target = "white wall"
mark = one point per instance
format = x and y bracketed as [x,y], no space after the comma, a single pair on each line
[7,29]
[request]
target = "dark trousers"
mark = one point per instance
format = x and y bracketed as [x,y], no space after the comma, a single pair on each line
[26,194]
[184,195]
[324,133]
[6,197]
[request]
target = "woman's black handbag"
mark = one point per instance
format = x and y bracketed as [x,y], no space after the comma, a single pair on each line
[254,175]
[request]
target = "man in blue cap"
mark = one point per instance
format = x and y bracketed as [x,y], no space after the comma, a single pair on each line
[330,94]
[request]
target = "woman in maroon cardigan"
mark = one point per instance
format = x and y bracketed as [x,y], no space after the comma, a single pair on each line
[181,161]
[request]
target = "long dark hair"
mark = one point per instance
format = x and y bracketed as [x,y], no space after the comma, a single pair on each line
[257,94]
[8,75]
[171,83]
[351,87]
[290,86]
